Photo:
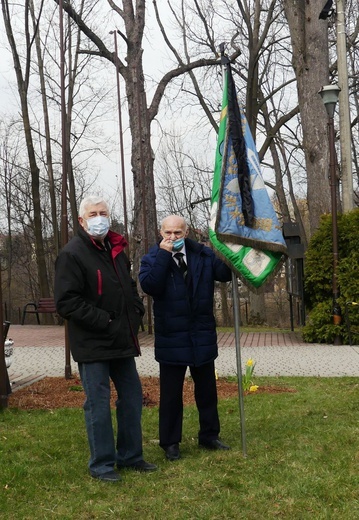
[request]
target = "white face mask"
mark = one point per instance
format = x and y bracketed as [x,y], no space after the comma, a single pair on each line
[97,227]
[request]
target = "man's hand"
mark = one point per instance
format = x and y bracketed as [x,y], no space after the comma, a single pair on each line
[166,244]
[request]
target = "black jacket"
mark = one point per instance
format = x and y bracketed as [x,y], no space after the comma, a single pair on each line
[185,327]
[92,287]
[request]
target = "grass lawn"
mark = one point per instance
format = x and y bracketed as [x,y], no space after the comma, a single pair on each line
[302,463]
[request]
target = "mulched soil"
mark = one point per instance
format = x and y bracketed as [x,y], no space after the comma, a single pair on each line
[58,392]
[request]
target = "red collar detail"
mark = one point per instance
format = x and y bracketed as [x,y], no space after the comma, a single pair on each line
[118,242]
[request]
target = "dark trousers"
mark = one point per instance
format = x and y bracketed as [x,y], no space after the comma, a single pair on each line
[171,402]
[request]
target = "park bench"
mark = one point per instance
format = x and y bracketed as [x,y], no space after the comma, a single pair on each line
[43,306]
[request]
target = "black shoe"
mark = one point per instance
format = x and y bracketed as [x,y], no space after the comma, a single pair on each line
[172,452]
[142,466]
[109,476]
[215,444]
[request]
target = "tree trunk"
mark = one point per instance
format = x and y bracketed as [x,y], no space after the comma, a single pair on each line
[257,314]
[50,172]
[311,65]
[145,220]
[279,188]
[227,320]
[35,173]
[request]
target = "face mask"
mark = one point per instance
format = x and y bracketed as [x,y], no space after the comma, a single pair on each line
[97,227]
[177,244]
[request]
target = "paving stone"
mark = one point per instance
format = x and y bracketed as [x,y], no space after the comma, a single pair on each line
[39,351]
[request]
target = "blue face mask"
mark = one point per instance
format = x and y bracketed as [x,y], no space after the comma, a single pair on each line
[97,227]
[178,244]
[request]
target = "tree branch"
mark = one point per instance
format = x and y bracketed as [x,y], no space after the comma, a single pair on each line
[153,108]
[103,51]
[275,128]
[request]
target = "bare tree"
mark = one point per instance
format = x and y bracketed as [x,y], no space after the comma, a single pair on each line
[141,114]
[256,30]
[352,17]
[183,184]
[18,259]
[33,193]
[86,105]
[23,77]
[48,146]
[311,66]
[7,158]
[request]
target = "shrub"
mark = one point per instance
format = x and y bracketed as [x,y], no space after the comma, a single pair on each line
[318,277]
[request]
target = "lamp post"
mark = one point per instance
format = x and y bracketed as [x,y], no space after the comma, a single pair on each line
[330,96]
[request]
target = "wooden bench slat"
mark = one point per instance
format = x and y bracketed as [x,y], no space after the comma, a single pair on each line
[43,306]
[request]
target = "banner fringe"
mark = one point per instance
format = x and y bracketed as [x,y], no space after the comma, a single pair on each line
[243,279]
[255,244]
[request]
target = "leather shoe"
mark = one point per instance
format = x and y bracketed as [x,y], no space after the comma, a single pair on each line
[109,476]
[214,444]
[142,466]
[172,452]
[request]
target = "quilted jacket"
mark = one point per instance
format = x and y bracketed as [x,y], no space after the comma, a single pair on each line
[185,327]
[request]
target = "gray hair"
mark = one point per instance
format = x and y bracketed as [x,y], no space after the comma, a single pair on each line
[89,201]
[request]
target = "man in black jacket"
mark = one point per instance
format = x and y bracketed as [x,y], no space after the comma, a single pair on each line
[95,293]
[179,274]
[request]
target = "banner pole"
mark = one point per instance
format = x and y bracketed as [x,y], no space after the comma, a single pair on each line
[226,63]
[239,362]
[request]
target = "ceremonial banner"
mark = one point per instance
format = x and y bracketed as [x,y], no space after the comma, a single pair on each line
[244,228]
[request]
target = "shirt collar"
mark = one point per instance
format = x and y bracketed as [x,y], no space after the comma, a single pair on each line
[183,251]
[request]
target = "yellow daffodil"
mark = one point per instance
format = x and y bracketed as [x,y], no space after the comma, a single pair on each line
[247,383]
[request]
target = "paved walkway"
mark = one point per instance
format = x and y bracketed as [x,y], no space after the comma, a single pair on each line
[39,352]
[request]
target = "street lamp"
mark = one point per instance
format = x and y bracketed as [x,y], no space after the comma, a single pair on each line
[330,96]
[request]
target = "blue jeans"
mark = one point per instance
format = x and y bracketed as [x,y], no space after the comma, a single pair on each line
[95,378]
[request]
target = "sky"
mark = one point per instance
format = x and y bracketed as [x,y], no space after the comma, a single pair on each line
[156,61]
[109,168]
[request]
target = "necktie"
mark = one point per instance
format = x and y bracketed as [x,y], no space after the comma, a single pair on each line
[181,263]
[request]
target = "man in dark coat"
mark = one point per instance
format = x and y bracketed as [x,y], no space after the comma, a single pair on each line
[179,274]
[96,295]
